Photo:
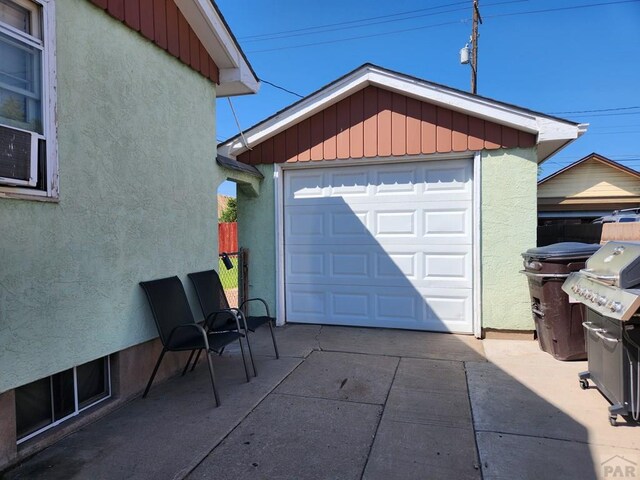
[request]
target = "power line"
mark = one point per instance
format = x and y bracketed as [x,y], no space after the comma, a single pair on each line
[322,29]
[358,37]
[281,88]
[424,27]
[618,114]
[616,133]
[349,22]
[574,7]
[598,110]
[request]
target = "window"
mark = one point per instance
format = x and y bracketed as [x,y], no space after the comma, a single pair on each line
[49,401]
[26,81]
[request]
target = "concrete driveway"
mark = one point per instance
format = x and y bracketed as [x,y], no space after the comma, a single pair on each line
[355,403]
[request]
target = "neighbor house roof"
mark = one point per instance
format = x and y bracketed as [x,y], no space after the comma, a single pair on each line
[196,33]
[597,157]
[551,133]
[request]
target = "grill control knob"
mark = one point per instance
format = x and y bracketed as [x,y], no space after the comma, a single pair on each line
[602,300]
[615,307]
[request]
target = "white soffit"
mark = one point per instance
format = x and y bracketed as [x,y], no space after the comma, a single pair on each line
[552,133]
[236,75]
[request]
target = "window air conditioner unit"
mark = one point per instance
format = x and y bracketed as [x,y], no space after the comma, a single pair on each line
[18,157]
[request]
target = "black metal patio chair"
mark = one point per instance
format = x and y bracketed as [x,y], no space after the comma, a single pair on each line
[179,331]
[214,301]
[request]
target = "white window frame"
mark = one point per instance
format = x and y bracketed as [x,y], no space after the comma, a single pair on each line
[77,410]
[49,100]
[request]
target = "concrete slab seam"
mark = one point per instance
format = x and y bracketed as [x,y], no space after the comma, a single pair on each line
[408,357]
[384,406]
[473,422]
[325,398]
[181,475]
[545,437]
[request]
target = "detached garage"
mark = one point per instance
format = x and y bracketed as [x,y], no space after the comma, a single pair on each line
[389,201]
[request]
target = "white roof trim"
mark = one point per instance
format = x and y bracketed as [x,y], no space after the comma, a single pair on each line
[236,76]
[552,134]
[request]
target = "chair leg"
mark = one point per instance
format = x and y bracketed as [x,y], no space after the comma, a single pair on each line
[244,360]
[195,362]
[153,375]
[186,367]
[273,337]
[213,382]
[253,364]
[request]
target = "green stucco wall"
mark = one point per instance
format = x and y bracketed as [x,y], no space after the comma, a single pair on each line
[138,184]
[508,228]
[256,231]
[509,180]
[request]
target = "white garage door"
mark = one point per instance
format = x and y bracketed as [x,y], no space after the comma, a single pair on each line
[380,245]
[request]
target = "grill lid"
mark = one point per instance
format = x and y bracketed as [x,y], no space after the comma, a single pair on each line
[562,251]
[617,263]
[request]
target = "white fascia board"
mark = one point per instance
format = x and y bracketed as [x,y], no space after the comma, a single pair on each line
[305,109]
[219,43]
[545,128]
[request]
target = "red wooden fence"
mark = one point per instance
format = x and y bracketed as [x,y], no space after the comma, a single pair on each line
[228,237]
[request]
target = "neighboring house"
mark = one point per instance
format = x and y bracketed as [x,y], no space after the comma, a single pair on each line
[107,177]
[592,187]
[392,201]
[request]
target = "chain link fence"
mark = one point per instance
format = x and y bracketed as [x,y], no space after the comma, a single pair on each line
[232,272]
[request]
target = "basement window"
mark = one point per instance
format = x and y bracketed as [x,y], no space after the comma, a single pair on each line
[47,402]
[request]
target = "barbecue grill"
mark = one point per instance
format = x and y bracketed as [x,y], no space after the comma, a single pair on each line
[609,286]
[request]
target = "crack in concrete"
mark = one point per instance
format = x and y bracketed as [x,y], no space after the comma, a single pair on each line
[384,406]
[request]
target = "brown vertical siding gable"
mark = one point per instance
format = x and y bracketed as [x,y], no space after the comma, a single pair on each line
[374,122]
[162,22]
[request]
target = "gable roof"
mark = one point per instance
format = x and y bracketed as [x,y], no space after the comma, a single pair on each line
[196,33]
[551,133]
[593,156]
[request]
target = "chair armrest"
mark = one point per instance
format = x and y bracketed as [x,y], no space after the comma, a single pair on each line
[190,326]
[240,314]
[234,312]
[266,307]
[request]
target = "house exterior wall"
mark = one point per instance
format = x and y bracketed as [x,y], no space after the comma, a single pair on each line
[508,228]
[138,181]
[591,179]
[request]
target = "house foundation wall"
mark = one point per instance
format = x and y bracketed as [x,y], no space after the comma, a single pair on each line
[130,372]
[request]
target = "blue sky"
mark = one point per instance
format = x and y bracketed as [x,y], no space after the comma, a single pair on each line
[547,55]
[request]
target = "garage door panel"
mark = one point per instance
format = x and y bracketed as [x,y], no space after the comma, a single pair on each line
[447,178]
[393,307]
[437,266]
[397,181]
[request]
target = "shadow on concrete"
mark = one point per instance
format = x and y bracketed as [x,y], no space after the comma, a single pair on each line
[349,402]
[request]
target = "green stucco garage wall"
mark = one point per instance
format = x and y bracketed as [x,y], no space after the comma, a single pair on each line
[508,227]
[138,184]
[256,231]
[509,220]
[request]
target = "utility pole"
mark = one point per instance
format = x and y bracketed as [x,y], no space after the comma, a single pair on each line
[474,47]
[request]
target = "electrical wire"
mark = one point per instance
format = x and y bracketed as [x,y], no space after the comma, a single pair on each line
[424,27]
[598,110]
[233,111]
[351,22]
[281,88]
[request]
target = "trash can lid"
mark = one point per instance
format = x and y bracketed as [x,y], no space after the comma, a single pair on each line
[562,250]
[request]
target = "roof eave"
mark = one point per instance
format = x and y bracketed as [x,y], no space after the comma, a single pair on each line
[236,75]
[552,133]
